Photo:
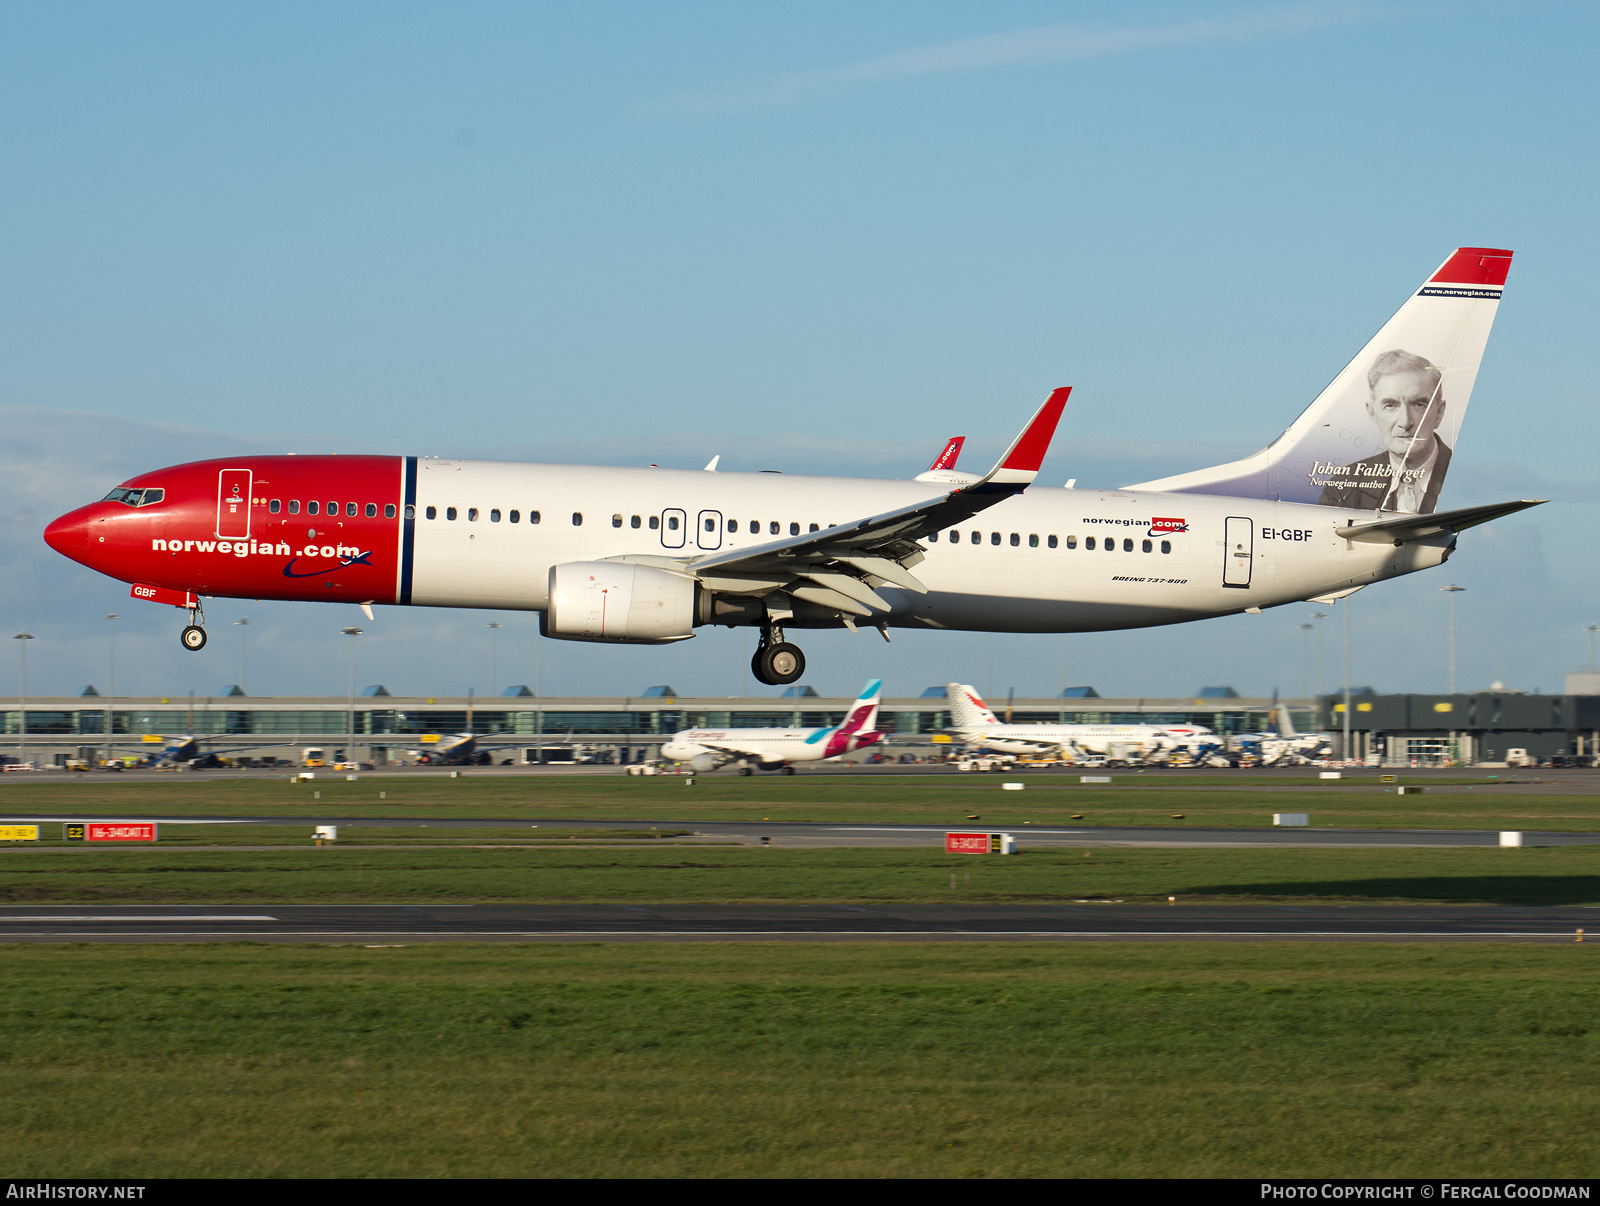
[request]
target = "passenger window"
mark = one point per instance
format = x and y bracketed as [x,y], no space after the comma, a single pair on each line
[1016,541]
[311,508]
[977,537]
[1148,547]
[1166,546]
[411,511]
[813,528]
[333,508]
[616,520]
[433,512]
[955,536]
[794,529]
[774,527]
[577,519]
[1089,543]
[634,522]
[755,528]
[388,511]
[533,517]
[1127,546]
[1051,541]
[1110,545]
[372,510]
[655,522]
[273,506]
[494,515]
[1033,540]
[1072,542]
[294,506]
[472,514]
[514,517]
[733,525]
[994,537]
[350,510]
[449,512]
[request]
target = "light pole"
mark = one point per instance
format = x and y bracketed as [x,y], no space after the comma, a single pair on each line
[350,694]
[242,624]
[494,627]
[1316,682]
[1348,608]
[1591,630]
[22,639]
[1454,590]
[1306,669]
[111,688]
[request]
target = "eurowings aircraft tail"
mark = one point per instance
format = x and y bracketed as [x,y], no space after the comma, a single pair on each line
[1380,437]
[863,714]
[967,709]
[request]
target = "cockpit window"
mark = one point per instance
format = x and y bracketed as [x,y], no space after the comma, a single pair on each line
[135,497]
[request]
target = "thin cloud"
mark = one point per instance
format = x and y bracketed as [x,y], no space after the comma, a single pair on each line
[1023,47]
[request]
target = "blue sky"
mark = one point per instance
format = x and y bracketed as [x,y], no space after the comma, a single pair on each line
[821,238]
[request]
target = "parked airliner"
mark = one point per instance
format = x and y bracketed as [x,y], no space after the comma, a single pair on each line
[977,726]
[779,749]
[1346,497]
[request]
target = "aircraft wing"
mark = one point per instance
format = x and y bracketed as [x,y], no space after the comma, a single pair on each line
[1403,528]
[839,566]
[1043,743]
[727,753]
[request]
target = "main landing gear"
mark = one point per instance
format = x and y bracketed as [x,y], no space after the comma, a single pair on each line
[194,636]
[776,662]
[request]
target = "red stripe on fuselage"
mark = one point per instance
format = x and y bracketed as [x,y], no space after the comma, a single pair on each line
[174,543]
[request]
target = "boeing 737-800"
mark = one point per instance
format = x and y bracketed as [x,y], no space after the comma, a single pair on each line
[1347,496]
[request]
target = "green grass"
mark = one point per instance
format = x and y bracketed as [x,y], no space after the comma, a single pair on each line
[798,1061]
[1530,876]
[944,799]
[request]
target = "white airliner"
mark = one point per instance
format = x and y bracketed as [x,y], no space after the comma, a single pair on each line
[1347,496]
[1282,745]
[977,726]
[778,749]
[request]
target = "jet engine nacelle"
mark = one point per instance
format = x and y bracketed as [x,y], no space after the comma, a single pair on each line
[617,601]
[704,762]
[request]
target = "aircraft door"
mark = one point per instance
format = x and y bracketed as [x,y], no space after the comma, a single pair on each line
[708,530]
[1237,551]
[673,527]
[233,504]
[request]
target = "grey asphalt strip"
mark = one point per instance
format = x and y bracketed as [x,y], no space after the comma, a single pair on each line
[1078,921]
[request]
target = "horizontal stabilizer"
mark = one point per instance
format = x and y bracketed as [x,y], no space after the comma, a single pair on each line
[1404,528]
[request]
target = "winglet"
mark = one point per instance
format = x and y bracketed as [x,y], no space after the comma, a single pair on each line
[1020,463]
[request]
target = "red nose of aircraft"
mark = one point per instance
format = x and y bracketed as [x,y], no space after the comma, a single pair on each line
[69,535]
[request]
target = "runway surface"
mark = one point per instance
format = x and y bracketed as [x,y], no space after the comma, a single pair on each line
[818,834]
[381,924]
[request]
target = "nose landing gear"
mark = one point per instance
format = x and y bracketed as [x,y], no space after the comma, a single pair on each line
[776,662]
[194,635]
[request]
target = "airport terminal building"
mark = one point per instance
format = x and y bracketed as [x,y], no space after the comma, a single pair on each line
[388,728]
[1392,730]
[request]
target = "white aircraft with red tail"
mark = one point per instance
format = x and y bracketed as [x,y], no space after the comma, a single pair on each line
[1347,496]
